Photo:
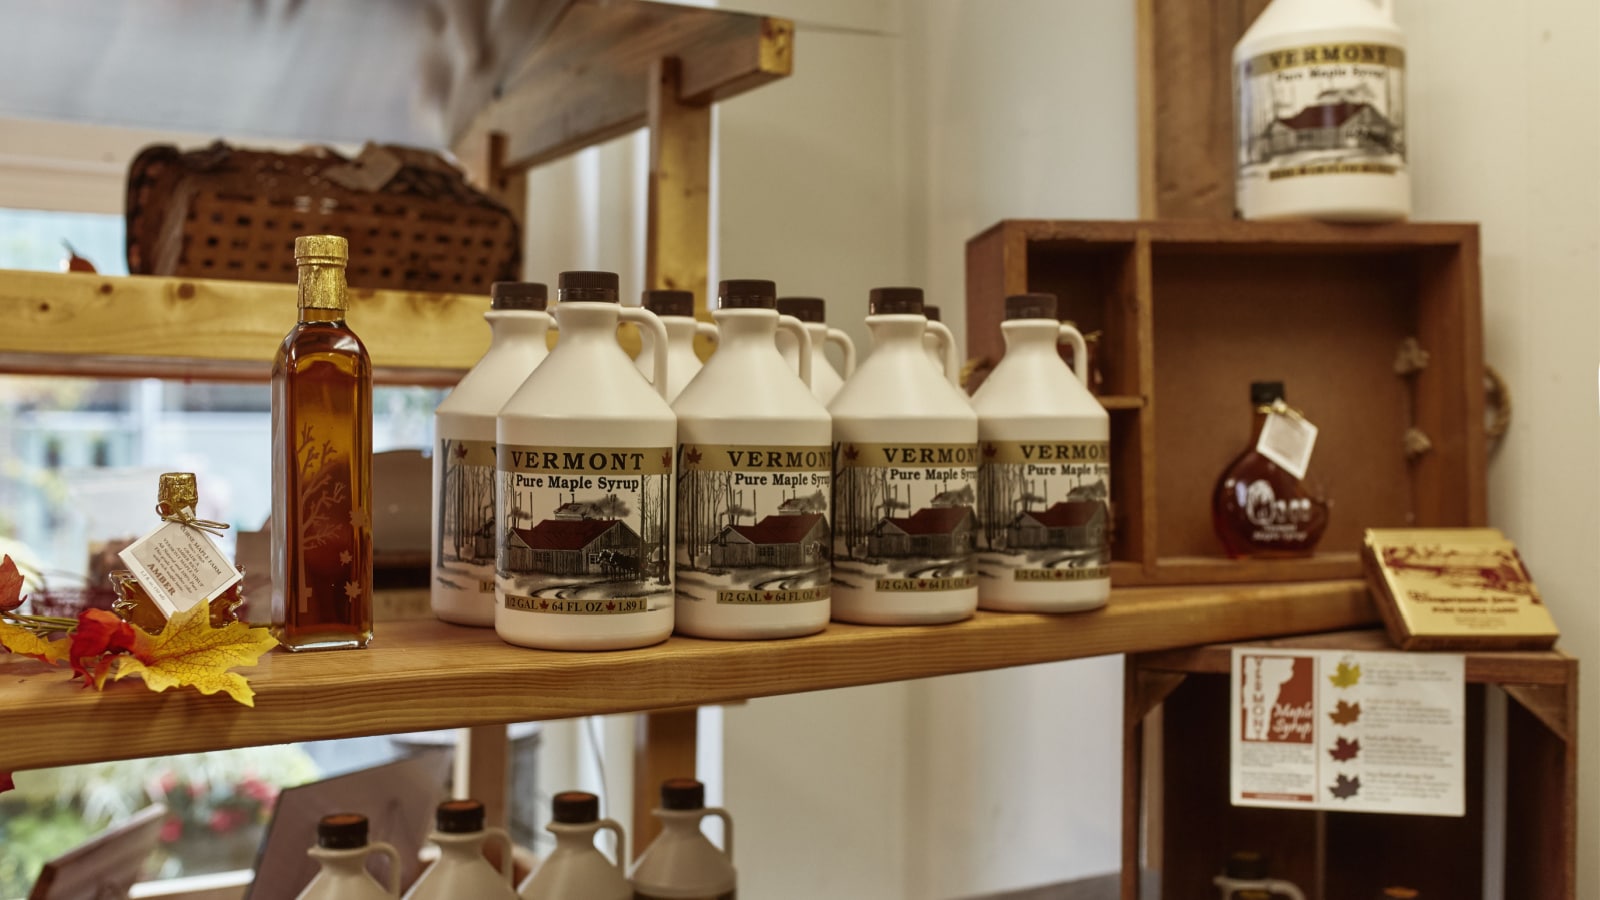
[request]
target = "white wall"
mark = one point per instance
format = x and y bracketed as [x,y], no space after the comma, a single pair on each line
[1531,180]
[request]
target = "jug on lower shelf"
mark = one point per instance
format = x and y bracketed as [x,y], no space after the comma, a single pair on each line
[461,870]
[576,869]
[682,863]
[1245,878]
[342,851]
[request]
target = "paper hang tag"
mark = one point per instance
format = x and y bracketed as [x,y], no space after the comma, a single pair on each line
[179,566]
[1288,439]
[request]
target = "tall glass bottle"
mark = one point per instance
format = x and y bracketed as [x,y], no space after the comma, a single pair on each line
[322,464]
[1258,508]
[462,591]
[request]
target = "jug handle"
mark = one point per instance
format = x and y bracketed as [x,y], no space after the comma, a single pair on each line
[1286,888]
[942,331]
[1080,352]
[650,323]
[394,864]
[727,829]
[508,863]
[622,843]
[847,347]
[803,338]
[706,330]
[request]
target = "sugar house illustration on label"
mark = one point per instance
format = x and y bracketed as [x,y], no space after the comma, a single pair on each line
[603,538]
[884,529]
[1017,518]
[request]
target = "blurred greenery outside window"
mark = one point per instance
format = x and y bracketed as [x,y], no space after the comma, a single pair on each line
[78,464]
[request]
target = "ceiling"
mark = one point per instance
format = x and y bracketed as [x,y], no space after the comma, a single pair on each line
[402,71]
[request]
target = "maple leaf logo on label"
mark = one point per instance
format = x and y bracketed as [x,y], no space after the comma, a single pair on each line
[989,450]
[1345,787]
[850,451]
[1346,713]
[1345,750]
[1347,675]
[692,455]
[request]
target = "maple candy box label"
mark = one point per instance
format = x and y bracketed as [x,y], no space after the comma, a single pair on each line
[904,516]
[1044,510]
[465,507]
[754,524]
[586,529]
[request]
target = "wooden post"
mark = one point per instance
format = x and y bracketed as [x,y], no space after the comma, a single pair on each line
[678,219]
[664,748]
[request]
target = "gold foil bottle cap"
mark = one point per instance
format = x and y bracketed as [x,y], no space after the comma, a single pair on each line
[321,250]
[178,491]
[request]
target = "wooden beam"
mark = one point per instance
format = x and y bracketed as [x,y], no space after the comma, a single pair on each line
[588,81]
[678,216]
[78,324]
[664,748]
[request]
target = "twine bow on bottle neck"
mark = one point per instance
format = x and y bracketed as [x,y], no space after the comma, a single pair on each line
[185,516]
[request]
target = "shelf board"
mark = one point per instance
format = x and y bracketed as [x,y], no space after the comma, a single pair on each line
[142,326]
[428,675]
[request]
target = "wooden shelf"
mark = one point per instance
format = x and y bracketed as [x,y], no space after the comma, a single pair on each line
[427,675]
[136,326]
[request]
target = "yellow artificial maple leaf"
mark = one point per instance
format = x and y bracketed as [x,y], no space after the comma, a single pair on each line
[1346,675]
[190,653]
[25,642]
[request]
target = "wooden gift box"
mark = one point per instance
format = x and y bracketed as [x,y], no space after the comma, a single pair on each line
[1192,312]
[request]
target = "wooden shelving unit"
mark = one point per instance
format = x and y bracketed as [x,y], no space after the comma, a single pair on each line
[425,674]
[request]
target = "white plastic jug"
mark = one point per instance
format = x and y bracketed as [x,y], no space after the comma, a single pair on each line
[676,311]
[825,379]
[754,481]
[576,869]
[1320,113]
[461,870]
[462,587]
[342,851]
[1044,481]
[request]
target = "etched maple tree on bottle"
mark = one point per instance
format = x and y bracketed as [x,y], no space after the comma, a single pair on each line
[325,510]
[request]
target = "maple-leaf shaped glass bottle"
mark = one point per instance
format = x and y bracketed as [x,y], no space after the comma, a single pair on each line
[322,464]
[1258,508]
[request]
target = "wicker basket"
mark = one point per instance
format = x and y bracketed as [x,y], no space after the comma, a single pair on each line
[413,221]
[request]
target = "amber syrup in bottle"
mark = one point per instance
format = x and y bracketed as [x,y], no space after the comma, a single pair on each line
[1258,508]
[177,491]
[322,464]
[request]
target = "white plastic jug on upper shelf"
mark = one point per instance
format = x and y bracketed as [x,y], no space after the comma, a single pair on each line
[825,380]
[1320,113]
[676,311]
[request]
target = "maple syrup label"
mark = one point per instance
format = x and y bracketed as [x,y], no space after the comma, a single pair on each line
[583,530]
[754,523]
[904,516]
[465,509]
[1044,510]
[1321,109]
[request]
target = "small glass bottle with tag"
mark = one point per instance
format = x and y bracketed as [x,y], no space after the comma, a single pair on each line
[177,497]
[1259,507]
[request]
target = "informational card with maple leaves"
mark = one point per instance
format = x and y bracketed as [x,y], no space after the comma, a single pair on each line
[1357,732]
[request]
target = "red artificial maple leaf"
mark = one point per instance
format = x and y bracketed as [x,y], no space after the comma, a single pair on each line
[1345,787]
[692,455]
[100,634]
[6,783]
[1346,713]
[10,585]
[850,451]
[1345,750]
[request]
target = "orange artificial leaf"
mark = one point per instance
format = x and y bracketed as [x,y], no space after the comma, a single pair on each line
[10,585]
[98,634]
[190,653]
[25,642]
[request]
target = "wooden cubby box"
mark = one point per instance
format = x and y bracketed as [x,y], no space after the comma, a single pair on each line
[1191,312]
[1178,826]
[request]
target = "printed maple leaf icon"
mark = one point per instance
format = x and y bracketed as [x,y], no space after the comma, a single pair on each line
[1346,713]
[461,451]
[544,604]
[1345,787]
[1346,675]
[692,455]
[1345,750]
[850,451]
[767,597]
[989,451]
[666,459]
[611,604]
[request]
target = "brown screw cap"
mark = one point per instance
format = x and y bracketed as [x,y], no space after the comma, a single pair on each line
[806,309]
[669,303]
[1246,865]
[458,817]
[342,831]
[747,293]
[518,295]
[932,312]
[888,301]
[1266,393]
[587,287]
[575,808]
[1031,306]
[683,793]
